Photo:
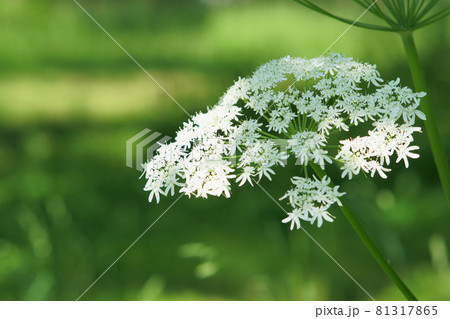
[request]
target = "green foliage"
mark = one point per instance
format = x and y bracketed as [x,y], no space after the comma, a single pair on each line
[397,15]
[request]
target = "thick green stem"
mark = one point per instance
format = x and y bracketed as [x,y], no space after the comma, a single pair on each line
[430,124]
[369,243]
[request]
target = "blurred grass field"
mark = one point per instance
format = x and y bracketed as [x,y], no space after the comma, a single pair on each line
[70,98]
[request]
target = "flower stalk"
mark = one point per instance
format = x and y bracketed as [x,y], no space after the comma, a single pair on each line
[430,124]
[375,252]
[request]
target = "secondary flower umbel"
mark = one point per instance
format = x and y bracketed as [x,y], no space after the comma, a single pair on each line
[290,107]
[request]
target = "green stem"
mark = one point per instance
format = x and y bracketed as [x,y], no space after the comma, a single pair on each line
[430,124]
[369,243]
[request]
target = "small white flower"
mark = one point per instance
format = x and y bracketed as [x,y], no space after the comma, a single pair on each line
[280,119]
[246,176]
[404,151]
[294,217]
[320,214]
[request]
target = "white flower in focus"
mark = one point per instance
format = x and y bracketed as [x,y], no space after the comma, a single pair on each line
[257,125]
[404,152]
[294,218]
[312,197]
[246,176]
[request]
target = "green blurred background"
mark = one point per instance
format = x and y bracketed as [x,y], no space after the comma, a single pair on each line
[69,206]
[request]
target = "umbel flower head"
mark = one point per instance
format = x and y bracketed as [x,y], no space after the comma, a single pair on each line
[289,108]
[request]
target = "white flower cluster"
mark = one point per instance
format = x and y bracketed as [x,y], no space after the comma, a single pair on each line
[290,107]
[310,200]
[369,153]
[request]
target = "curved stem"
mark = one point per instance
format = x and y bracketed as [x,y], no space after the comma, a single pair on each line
[369,243]
[430,124]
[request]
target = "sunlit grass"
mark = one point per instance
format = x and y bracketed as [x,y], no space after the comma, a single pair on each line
[70,96]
